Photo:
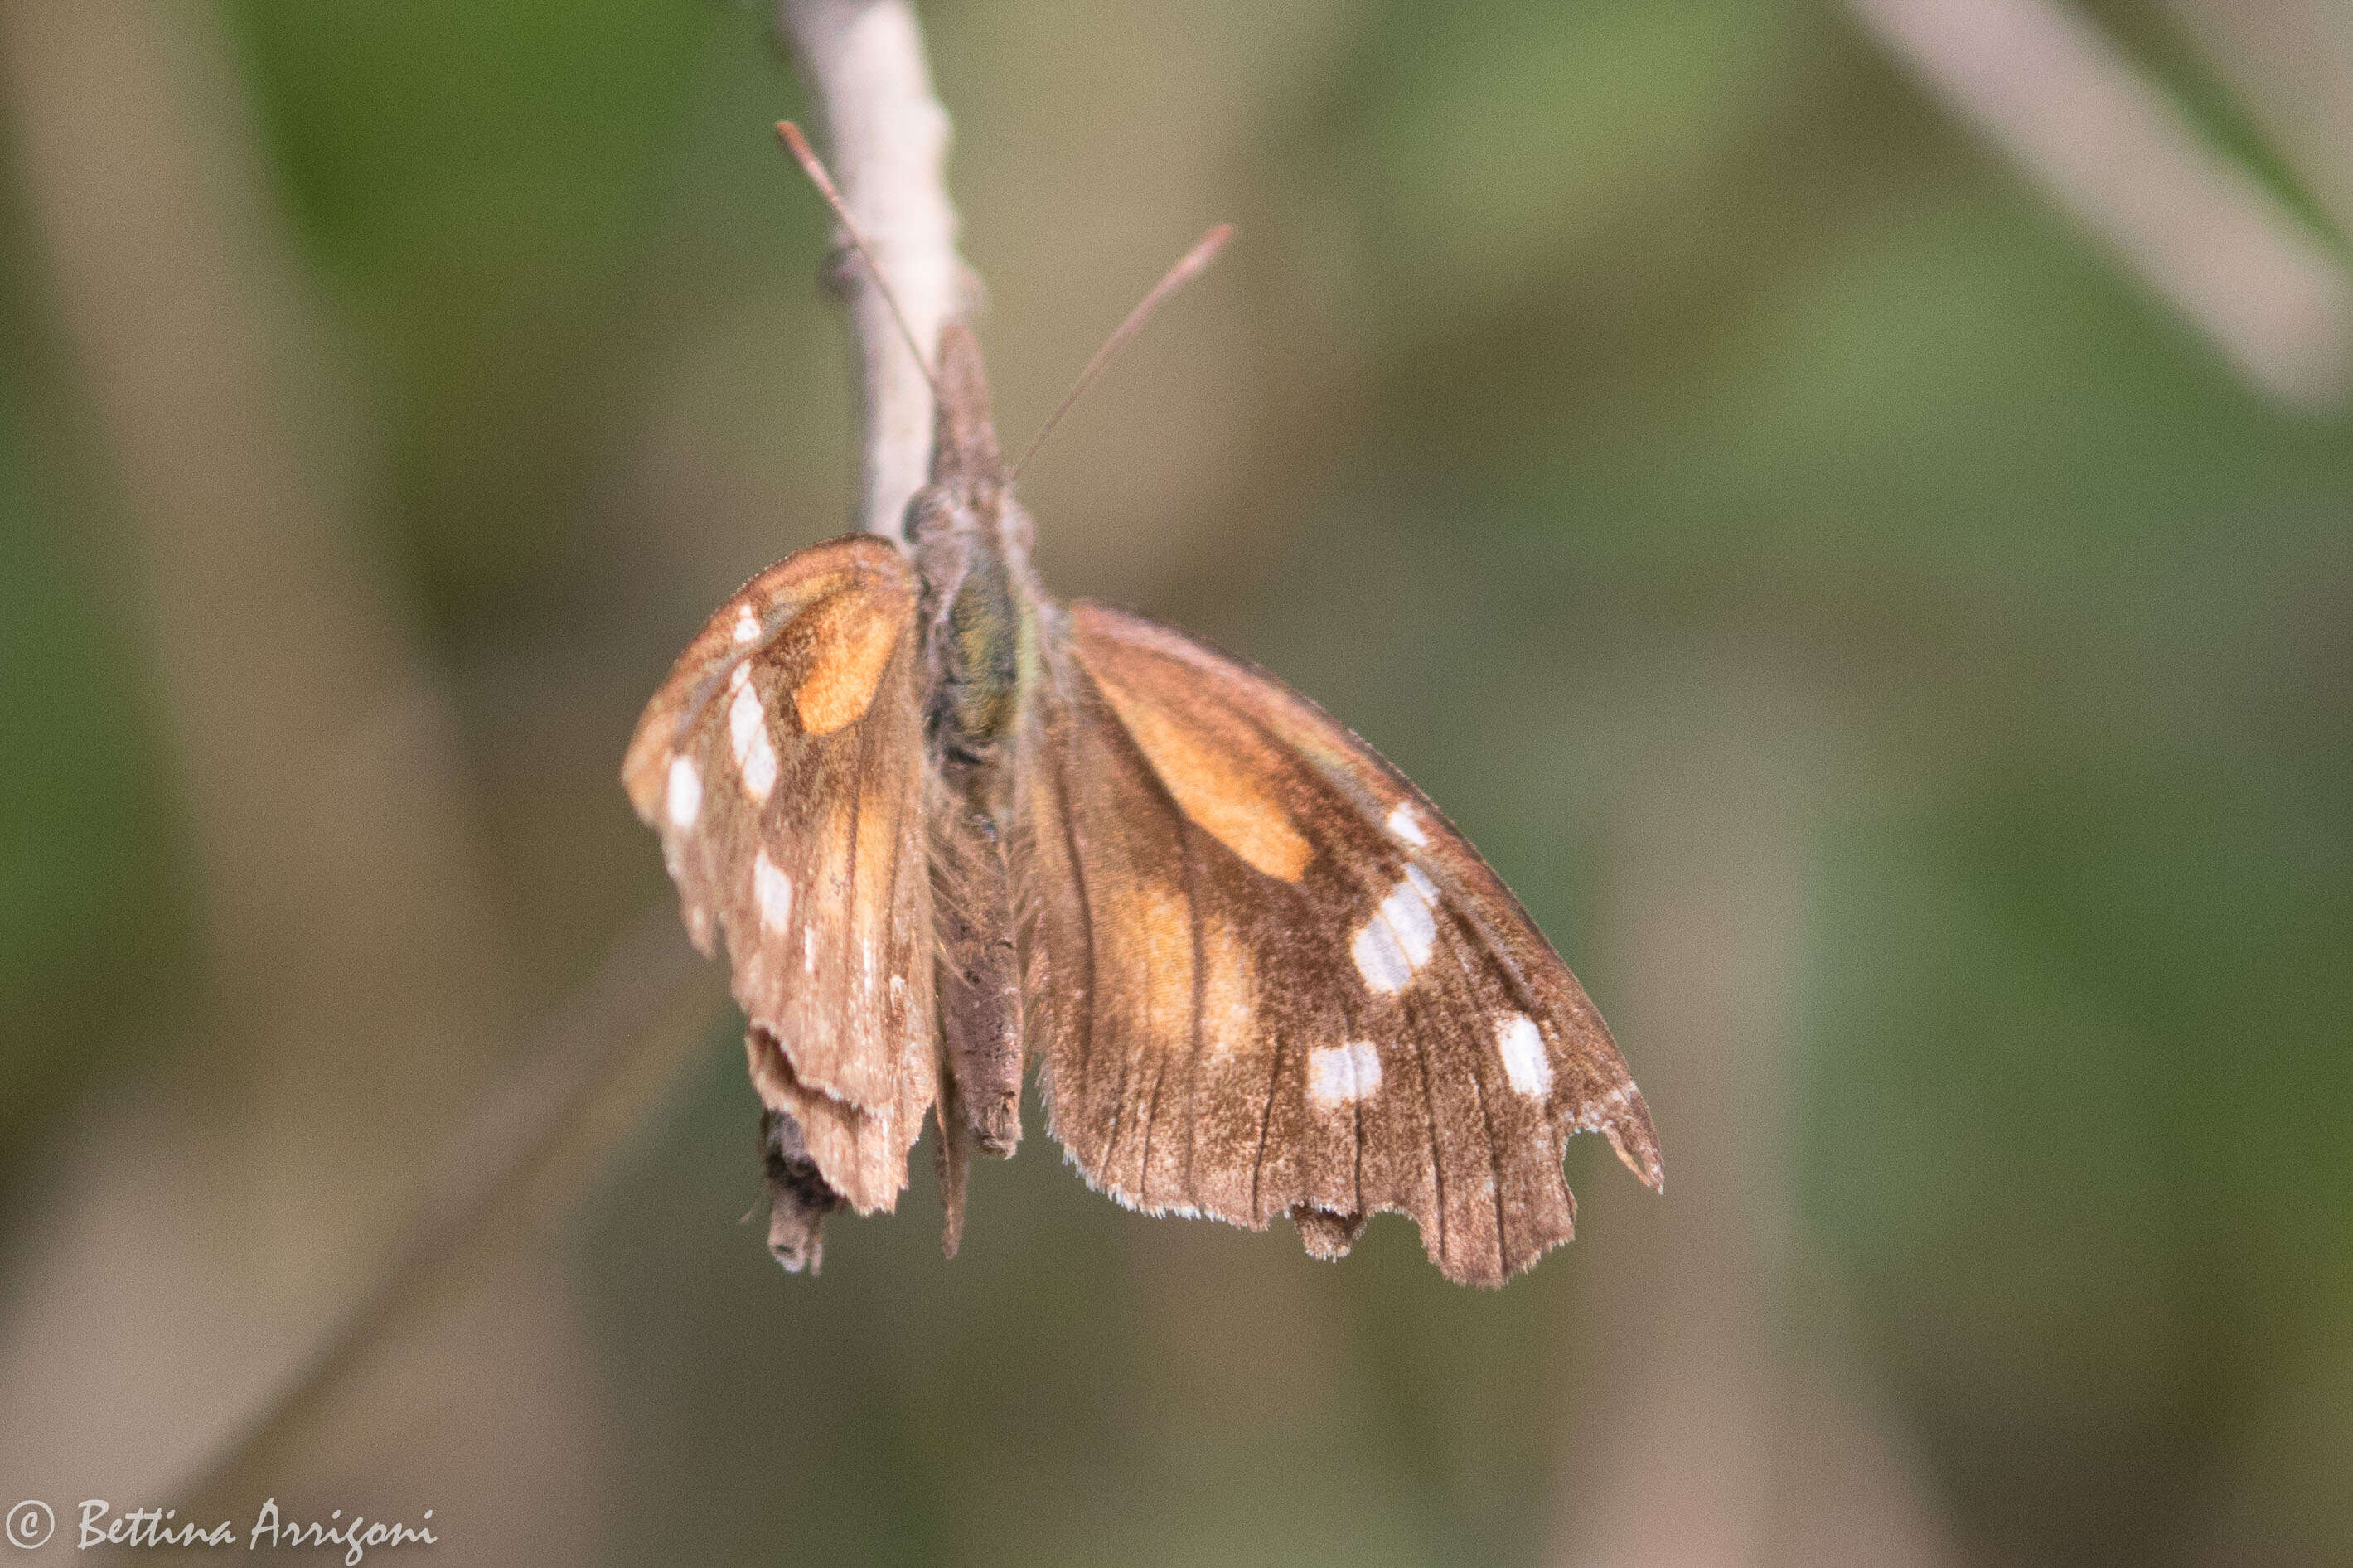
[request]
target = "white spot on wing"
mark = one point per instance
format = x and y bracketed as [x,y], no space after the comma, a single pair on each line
[1391,947]
[1521,1045]
[747,625]
[1379,958]
[1405,824]
[773,891]
[747,732]
[1343,1075]
[684,797]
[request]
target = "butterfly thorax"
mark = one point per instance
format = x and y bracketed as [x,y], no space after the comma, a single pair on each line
[970,541]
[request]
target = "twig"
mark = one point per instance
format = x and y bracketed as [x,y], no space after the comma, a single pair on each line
[886,138]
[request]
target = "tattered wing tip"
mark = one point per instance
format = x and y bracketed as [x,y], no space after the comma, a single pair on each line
[1325,1235]
[828,1130]
[1631,1134]
[1511,1251]
[1492,1270]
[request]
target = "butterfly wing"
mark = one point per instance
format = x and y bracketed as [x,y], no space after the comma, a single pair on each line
[782,763]
[1266,977]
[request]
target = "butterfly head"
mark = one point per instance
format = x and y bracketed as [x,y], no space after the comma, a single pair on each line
[969,497]
[964,441]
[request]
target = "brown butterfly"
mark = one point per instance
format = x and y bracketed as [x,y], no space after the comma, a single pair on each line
[949,825]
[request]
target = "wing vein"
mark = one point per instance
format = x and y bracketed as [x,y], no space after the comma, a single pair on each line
[1437,1165]
[1086,1012]
[857,811]
[1479,1092]
[1265,1120]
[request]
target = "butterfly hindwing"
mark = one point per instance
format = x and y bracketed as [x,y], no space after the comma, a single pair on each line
[1266,977]
[781,761]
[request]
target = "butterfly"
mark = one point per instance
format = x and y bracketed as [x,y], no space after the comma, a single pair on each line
[947,826]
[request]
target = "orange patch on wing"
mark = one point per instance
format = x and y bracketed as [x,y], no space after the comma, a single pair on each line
[849,637]
[1164,921]
[878,829]
[1229,990]
[1208,774]
[832,863]
[1155,923]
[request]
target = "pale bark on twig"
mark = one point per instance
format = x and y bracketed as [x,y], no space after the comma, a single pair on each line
[885,138]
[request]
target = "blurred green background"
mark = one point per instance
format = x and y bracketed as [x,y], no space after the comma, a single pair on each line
[1900,650]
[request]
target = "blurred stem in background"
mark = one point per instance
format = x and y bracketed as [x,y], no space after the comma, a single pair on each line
[2291,64]
[2042,83]
[1730,1423]
[224,1214]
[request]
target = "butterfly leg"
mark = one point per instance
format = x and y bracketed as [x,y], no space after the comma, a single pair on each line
[951,1164]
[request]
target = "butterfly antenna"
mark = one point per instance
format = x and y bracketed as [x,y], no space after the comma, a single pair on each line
[797,144]
[1190,266]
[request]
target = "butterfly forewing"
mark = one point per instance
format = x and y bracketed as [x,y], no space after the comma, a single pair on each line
[1279,981]
[782,763]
